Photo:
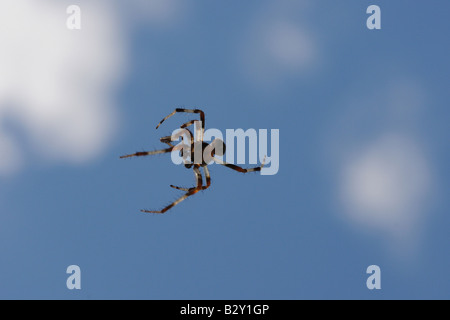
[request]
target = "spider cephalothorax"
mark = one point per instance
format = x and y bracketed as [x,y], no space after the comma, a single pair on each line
[207,150]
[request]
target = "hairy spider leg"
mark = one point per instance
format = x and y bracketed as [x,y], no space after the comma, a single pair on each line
[238,168]
[187,124]
[207,178]
[190,192]
[202,117]
[148,153]
[168,139]
[198,131]
[198,175]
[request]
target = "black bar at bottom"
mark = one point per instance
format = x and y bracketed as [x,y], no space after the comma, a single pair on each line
[224,309]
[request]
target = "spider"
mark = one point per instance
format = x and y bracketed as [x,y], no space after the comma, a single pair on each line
[217,146]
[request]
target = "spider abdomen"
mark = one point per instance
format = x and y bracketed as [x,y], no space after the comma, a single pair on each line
[198,154]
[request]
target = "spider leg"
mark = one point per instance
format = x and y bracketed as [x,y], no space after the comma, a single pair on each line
[180,188]
[207,178]
[190,192]
[167,140]
[198,131]
[202,116]
[187,124]
[198,175]
[238,168]
[148,153]
[190,132]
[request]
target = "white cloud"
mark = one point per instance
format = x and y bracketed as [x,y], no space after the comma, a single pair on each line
[278,44]
[55,83]
[385,184]
[385,175]
[288,45]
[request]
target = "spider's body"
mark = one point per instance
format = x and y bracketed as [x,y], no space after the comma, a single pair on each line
[201,146]
[208,150]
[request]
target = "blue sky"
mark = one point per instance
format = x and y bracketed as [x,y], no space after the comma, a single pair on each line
[363,176]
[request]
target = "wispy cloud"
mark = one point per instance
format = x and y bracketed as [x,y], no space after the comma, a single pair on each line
[277,44]
[384,184]
[55,83]
[385,176]
[57,86]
